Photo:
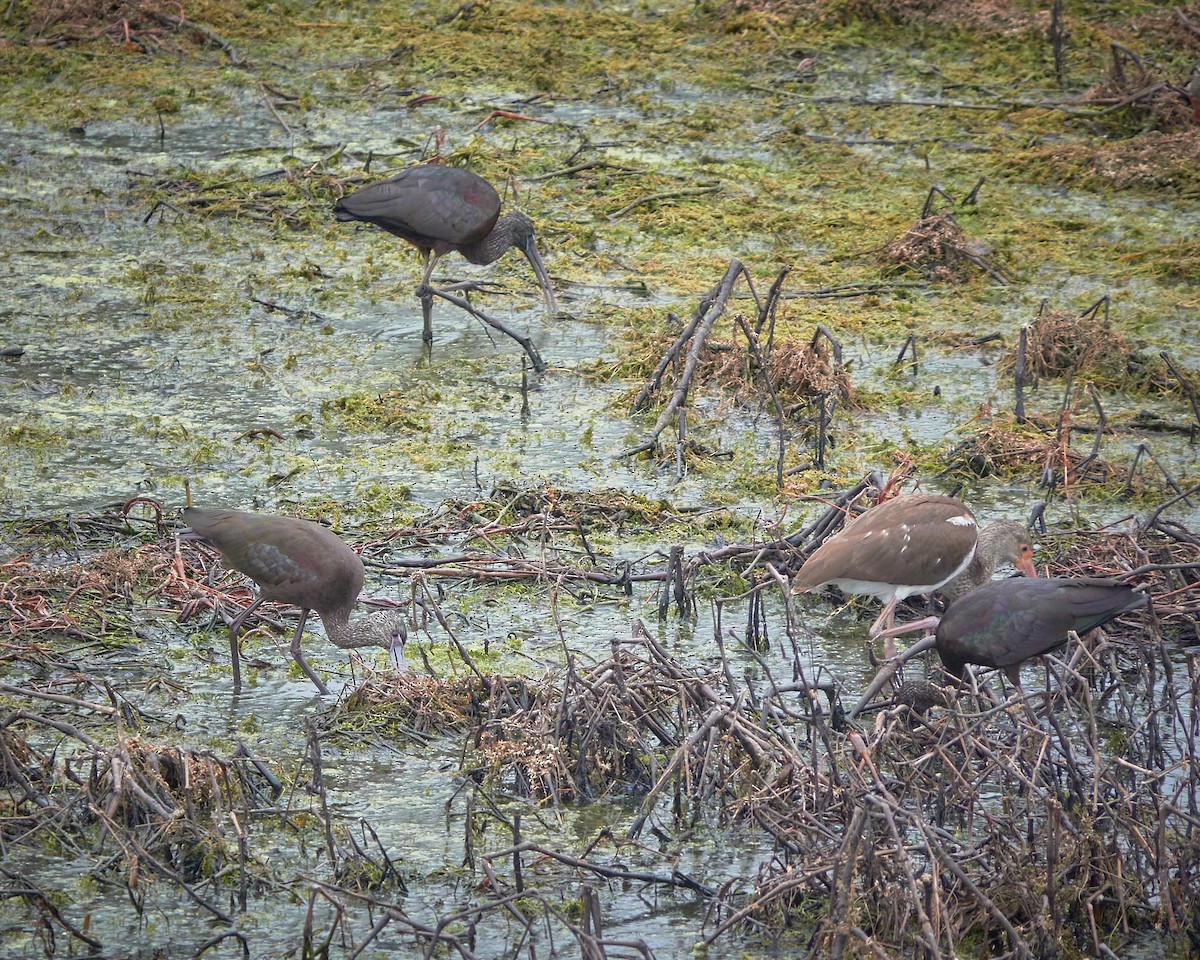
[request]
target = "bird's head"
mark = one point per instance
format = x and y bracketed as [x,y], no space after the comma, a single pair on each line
[385,628]
[524,239]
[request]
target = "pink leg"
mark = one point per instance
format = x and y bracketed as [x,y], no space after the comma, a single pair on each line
[878,630]
[884,620]
[928,623]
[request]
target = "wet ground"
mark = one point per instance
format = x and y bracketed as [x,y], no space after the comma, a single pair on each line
[239,340]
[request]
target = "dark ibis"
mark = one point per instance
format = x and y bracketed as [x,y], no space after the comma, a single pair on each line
[914,543]
[439,209]
[302,563]
[1004,623]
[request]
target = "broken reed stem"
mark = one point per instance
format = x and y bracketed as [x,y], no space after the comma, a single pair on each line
[709,310]
[669,357]
[764,375]
[681,442]
[1019,373]
[908,347]
[526,344]
[317,787]
[1184,384]
[1080,468]
[1058,42]
[823,419]
[767,312]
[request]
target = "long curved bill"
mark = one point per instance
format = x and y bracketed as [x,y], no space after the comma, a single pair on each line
[543,277]
[396,656]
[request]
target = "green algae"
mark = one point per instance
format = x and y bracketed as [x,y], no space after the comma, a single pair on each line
[815,171]
[760,195]
[690,97]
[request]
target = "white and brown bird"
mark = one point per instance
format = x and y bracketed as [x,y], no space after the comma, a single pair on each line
[914,543]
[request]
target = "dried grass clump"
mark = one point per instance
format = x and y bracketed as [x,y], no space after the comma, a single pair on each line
[1089,345]
[181,795]
[587,735]
[798,371]
[1143,92]
[598,509]
[1003,15]
[142,23]
[1173,27]
[1086,343]
[1159,160]
[974,13]
[76,600]
[75,20]
[1154,161]
[937,248]
[998,450]
[142,783]
[412,706]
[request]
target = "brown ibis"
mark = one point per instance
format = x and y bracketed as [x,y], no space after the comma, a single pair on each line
[302,563]
[1004,623]
[914,543]
[439,209]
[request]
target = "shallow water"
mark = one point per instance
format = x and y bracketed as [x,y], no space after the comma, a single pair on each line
[131,381]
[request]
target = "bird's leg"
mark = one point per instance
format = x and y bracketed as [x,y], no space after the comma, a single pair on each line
[426,316]
[883,625]
[425,293]
[299,657]
[885,619]
[234,656]
[925,623]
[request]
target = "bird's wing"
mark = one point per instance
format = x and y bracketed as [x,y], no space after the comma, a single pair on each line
[876,548]
[271,568]
[428,204]
[995,627]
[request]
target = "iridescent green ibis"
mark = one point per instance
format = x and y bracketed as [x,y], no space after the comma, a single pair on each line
[1004,623]
[439,209]
[914,543]
[302,563]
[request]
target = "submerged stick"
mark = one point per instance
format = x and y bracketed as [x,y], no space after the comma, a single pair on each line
[539,365]
[665,195]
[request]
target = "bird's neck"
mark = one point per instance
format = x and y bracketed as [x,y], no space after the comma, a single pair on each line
[376,630]
[979,571]
[987,553]
[491,248]
[346,635]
